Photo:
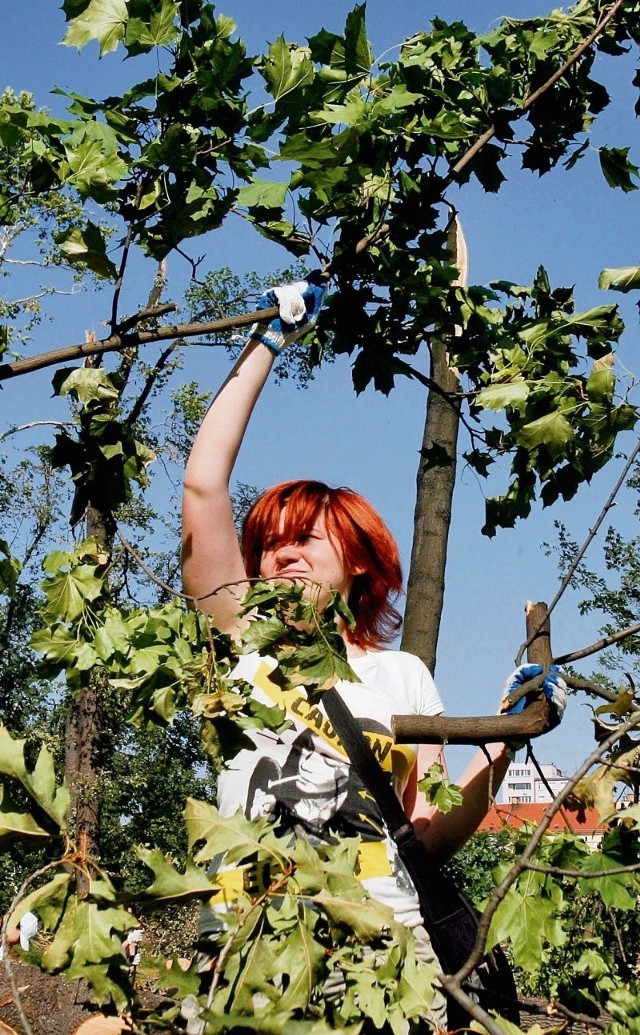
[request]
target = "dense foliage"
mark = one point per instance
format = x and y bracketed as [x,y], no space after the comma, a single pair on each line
[352,163]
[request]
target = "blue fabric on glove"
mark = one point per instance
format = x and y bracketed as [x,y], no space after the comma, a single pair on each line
[299,305]
[553,687]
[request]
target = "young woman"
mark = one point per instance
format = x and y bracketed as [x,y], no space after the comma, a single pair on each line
[330,540]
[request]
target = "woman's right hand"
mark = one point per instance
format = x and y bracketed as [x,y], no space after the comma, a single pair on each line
[298,303]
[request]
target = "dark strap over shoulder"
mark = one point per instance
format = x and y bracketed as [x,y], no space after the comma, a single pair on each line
[449,917]
[423,872]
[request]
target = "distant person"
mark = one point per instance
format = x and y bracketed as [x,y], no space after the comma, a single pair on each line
[132,950]
[23,933]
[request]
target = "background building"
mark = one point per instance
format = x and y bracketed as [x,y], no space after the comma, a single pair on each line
[524,785]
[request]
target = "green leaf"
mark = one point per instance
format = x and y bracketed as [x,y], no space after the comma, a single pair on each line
[88,248]
[101,20]
[528,921]
[351,113]
[499,396]
[68,592]
[601,382]
[439,790]
[624,278]
[552,431]
[185,982]
[92,170]
[300,959]
[40,782]
[169,882]
[616,891]
[17,824]
[262,634]
[286,67]
[59,646]
[10,568]
[366,918]
[617,169]
[112,637]
[95,940]
[234,836]
[49,900]
[263,194]
[159,31]
[416,986]
[84,384]
[87,941]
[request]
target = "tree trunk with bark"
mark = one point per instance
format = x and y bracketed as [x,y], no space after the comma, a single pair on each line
[435,484]
[83,743]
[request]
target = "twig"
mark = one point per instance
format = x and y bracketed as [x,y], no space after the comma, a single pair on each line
[35,424]
[545,782]
[583,549]
[606,641]
[149,383]
[558,871]
[151,574]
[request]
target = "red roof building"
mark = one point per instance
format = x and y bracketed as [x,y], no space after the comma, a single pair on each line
[516,814]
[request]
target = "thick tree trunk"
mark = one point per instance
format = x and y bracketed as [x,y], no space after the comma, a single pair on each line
[432,516]
[434,497]
[83,743]
[83,734]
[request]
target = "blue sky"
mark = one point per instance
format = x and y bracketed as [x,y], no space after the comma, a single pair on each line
[571,223]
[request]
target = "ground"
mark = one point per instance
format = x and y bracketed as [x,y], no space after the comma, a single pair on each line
[53,1005]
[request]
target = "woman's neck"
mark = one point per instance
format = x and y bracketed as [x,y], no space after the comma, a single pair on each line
[353,650]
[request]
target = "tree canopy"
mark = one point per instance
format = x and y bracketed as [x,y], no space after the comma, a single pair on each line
[356,165]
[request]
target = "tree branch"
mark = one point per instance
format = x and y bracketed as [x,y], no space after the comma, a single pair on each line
[606,641]
[537,94]
[583,549]
[116,342]
[557,871]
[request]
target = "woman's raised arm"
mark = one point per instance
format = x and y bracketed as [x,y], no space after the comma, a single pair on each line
[211,556]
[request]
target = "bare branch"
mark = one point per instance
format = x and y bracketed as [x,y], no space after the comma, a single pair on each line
[606,641]
[147,570]
[117,342]
[35,424]
[557,871]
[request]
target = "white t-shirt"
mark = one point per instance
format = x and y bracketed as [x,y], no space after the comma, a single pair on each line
[303,780]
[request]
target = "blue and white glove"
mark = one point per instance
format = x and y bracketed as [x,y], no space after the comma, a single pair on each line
[553,687]
[299,305]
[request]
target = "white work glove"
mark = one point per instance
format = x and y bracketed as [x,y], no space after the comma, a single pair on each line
[553,687]
[298,304]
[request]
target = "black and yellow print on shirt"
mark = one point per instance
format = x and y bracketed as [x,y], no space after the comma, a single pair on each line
[317,790]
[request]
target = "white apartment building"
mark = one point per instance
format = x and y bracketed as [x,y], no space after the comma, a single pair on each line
[522,784]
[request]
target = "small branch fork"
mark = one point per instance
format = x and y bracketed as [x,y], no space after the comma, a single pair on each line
[564,659]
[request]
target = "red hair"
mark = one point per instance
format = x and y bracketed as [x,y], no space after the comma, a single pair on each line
[355,526]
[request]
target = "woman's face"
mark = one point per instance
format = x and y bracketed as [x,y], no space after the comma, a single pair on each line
[313,558]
